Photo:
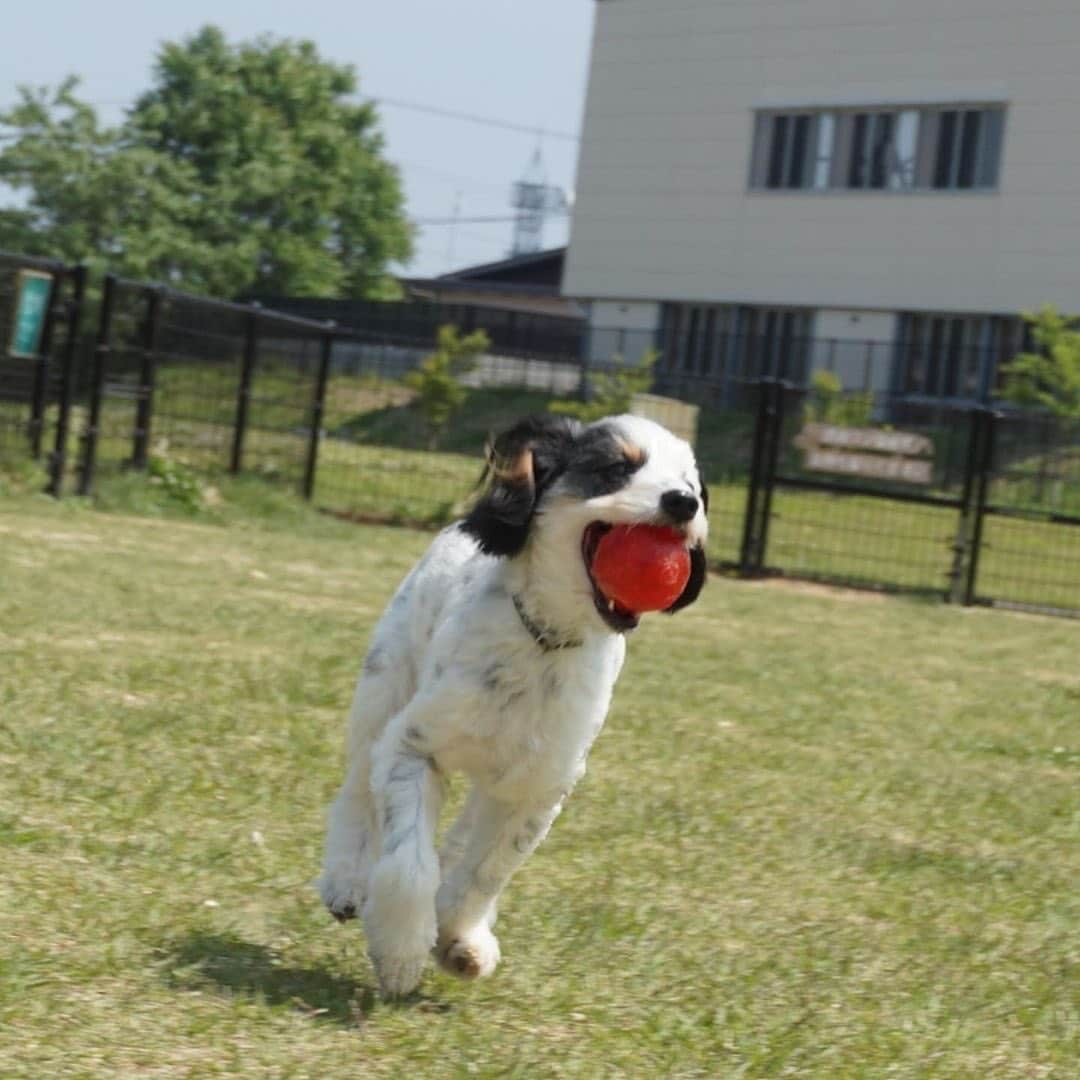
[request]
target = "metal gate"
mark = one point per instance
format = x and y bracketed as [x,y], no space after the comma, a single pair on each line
[974,513]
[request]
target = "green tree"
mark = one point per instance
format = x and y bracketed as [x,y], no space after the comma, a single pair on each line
[1049,378]
[437,380]
[93,197]
[244,168]
[612,391]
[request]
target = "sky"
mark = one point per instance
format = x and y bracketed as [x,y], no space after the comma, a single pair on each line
[524,64]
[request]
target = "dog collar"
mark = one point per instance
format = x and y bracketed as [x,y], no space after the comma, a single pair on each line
[544,636]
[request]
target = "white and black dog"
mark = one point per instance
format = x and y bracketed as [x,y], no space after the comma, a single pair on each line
[496,658]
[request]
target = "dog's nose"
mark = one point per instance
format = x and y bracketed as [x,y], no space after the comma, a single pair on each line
[679,505]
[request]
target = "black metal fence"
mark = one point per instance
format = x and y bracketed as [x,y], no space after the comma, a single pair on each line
[229,387]
[977,506]
[870,489]
[38,368]
[533,335]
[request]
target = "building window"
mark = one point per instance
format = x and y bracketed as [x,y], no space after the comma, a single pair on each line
[882,149]
[897,149]
[967,147]
[718,342]
[696,339]
[956,356]
[772,343]
[789,152]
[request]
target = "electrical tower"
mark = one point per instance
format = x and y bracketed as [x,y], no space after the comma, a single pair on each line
[534,200]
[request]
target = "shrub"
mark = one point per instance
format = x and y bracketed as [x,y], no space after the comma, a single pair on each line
[179,483]
[612,391]
[21,476]
[1049,378]
[436,381]
[828,404]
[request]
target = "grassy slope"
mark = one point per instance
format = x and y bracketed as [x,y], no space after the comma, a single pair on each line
[823,835]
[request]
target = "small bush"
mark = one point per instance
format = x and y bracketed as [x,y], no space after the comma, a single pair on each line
[828,404]
[21,476]
[436,380]
[1050,378]
[612,391]
[179,483]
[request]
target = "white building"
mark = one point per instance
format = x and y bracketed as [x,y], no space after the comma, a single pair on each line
[771,186]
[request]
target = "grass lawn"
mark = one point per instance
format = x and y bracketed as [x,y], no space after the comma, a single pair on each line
[824,834]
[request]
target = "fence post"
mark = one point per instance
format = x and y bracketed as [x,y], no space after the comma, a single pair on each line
[243,394]
[585,357]
[750,515]
[317,409]
[767,433]
[41,371]
[144,410]
[772,453]
[58,465]
[962,543]
[982,488]
[97,387]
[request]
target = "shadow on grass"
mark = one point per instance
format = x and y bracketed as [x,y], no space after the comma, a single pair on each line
[243,967]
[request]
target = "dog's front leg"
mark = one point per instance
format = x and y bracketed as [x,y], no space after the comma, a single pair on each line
[399,915]
[502,838]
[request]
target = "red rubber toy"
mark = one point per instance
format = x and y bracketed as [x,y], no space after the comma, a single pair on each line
[641,567]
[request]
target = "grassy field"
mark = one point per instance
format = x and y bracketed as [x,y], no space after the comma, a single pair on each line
[824,834]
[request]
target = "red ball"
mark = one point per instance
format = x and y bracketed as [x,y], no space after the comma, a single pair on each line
[641,567]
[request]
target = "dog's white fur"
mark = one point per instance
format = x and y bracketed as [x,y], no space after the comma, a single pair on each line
[455,682]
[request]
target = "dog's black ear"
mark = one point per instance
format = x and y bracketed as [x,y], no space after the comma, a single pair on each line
[521,464]
[699,571]
[704,490]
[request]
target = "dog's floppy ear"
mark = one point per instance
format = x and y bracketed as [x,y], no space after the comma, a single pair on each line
[521,464]
[699,564]
[699,571]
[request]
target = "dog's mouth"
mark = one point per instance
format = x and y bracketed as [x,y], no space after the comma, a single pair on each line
[617,617]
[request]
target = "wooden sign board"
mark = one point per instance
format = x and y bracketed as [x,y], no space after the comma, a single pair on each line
[869,452]
[678,417]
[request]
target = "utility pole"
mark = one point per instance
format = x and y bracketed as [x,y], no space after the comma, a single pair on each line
[534,200]
[452,239]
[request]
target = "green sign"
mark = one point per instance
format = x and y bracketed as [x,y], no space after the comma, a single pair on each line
[31,305]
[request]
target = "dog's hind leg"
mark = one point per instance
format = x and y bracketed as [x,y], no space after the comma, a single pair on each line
[352,839]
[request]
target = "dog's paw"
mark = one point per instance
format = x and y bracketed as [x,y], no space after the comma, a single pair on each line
[342,892]
[469,956]
[398,973]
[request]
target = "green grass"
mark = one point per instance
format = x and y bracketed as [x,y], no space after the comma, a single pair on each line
[824,834]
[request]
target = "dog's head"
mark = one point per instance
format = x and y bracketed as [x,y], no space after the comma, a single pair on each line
[555,486]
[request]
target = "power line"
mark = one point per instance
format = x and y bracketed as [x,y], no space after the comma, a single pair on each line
[417,106]
[449,177]
[502,218]
[475,118]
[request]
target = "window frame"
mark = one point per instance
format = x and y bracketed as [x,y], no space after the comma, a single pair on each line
[955,356]
[956,148]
